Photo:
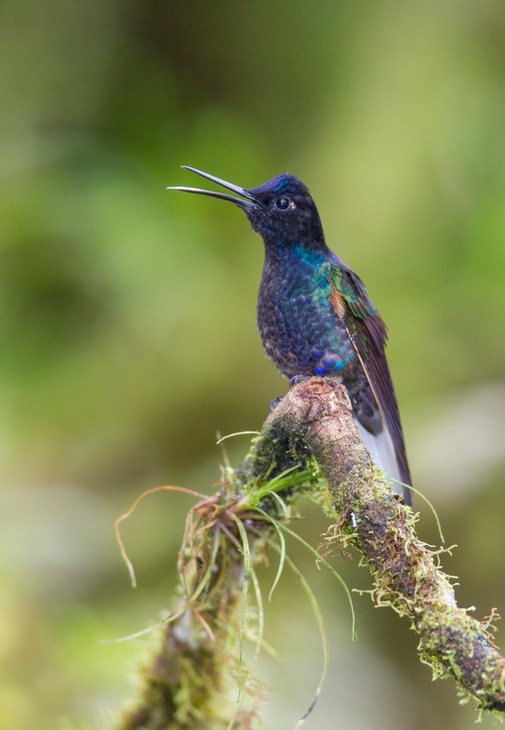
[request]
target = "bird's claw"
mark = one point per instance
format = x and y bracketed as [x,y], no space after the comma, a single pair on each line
[298,379]
[275,402]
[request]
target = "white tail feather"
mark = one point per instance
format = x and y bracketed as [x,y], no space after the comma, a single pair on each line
[382,451]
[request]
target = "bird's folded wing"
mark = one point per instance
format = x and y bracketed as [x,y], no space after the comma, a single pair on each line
[368,334]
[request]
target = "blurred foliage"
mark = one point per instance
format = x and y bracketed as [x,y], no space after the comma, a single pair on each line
[128,313]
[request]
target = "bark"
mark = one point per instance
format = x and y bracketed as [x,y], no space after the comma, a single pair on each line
[373,520]
[313,423]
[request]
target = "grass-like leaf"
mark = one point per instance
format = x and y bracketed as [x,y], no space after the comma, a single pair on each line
[332,570]
[427,501]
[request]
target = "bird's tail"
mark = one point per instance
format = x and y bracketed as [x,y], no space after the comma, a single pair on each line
[382,450]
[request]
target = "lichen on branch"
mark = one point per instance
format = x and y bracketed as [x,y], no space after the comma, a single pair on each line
[370,517]
[184,682]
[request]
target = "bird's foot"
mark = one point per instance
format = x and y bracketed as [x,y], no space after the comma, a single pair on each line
[293,381]
[275,402]
[298,379]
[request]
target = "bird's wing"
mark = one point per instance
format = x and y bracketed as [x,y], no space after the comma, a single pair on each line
[368,334]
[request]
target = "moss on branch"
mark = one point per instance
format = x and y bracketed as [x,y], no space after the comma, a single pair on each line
[184,683]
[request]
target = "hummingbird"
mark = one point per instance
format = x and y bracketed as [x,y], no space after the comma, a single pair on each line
[315,316]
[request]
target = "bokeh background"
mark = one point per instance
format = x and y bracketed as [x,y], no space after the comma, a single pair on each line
[127,325]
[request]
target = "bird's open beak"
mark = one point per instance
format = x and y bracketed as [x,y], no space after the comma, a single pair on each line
[249,202]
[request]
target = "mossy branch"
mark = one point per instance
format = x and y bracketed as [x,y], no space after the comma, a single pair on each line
[371,518]
[184,685]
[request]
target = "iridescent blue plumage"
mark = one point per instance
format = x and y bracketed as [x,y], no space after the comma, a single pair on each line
[315,316]
[296,319]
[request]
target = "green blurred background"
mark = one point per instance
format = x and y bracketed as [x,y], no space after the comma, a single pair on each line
[128,333]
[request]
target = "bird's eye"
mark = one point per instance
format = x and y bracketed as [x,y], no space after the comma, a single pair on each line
[283,203]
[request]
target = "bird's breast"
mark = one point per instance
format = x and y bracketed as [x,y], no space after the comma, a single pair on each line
[299,327]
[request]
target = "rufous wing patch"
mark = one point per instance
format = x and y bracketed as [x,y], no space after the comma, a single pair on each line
[337,301]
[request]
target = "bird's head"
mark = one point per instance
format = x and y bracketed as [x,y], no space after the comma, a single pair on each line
[281,210]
